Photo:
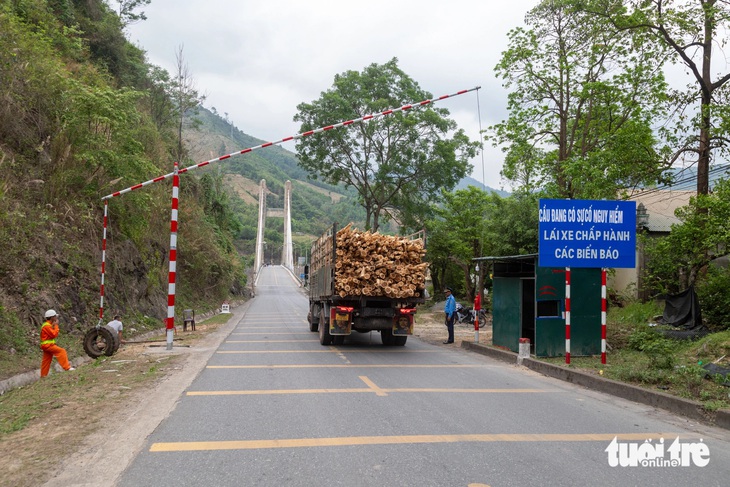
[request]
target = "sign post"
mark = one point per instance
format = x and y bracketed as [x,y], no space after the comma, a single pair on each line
[587,233]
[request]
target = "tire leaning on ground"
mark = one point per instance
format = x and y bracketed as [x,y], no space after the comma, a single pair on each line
[98,342]
[115,341]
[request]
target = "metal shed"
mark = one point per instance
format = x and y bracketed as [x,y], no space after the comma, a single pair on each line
[528,301]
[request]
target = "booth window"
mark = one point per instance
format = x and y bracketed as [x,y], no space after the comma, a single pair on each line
[548,308]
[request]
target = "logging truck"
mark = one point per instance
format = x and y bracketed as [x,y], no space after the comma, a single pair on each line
[363,281]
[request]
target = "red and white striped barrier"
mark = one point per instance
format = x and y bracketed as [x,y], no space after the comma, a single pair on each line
[170,322]
[567,315]
[287,139]
[170,325]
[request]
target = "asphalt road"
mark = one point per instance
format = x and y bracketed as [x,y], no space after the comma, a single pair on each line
[273,407]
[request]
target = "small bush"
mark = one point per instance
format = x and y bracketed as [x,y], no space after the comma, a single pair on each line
[714,295]
[658,349]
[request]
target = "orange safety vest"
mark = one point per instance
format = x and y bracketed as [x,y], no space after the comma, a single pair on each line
[48,337]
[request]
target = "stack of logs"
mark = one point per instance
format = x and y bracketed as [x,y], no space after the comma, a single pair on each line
[371,264]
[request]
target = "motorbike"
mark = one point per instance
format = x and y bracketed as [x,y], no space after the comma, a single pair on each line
[464,315]
[467,315]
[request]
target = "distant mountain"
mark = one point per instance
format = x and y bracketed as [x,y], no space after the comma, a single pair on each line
[469,181]
[315,204]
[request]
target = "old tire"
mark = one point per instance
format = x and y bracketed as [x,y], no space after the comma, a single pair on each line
[115,341]
[324,330]
[399,341]
[98,342]
[338,339]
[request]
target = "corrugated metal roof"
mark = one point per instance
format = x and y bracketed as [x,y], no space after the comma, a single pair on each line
[660,206]
[661,223]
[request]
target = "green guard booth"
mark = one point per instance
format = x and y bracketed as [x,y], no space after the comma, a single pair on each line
[529,302]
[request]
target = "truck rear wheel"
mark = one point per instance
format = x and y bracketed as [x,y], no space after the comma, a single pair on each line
[387,337]
[399,341]
[313,325]
[324,330]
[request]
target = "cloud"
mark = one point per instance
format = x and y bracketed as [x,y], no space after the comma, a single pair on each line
[258,60]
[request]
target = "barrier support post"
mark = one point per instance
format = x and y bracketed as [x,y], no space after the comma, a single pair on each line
[170,324]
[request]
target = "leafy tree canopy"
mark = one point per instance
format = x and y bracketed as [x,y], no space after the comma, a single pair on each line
[688,31]
[473,223]
[583,100]
[397,163]
[676,261]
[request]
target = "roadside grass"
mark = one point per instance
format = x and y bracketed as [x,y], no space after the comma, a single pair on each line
[639,354]
[45,421]
[94,380]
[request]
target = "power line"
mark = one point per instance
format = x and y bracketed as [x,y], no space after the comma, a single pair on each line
[681,184]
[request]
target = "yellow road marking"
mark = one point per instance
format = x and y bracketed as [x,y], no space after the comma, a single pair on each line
[269,341]
[330,350]
[372,388]
[400,440]
[279,327]
[277,333]
[336,366]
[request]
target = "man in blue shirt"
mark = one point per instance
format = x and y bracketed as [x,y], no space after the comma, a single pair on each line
[450,310]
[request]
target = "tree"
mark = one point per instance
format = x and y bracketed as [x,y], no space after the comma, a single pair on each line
[473,223]
[582,104]
[397,163]
[676,262]
[688,29]
[126,11]
[185,97]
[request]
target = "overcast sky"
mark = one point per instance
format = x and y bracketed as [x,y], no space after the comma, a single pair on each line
[257,60]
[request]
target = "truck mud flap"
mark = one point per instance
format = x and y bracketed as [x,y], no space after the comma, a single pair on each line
[403,322]
[340,320]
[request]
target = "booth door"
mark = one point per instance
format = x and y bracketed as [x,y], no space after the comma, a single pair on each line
[506,312]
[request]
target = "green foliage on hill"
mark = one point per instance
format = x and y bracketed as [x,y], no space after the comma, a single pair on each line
[315,204]
[82,115]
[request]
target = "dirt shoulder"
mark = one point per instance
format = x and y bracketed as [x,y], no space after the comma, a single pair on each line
[430,328]
[83,428]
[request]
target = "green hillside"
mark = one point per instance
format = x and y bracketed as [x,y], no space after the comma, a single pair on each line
[315,205]
[84,115]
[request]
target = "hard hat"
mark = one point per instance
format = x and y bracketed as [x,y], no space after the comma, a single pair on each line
[51,313]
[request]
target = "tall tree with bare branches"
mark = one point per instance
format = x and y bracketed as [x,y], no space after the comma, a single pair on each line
[185,96]
[691,30]
[582,102]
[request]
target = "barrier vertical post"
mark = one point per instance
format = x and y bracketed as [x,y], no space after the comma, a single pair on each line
[603,315]
[170,325]
[567,315]
[103,263]
[477,309]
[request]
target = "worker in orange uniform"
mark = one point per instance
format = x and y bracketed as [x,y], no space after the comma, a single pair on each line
[49,332]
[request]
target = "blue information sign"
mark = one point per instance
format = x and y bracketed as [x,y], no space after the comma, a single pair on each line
[587,233]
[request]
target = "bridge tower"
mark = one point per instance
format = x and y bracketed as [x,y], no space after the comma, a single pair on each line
[287,250]
[260,229]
